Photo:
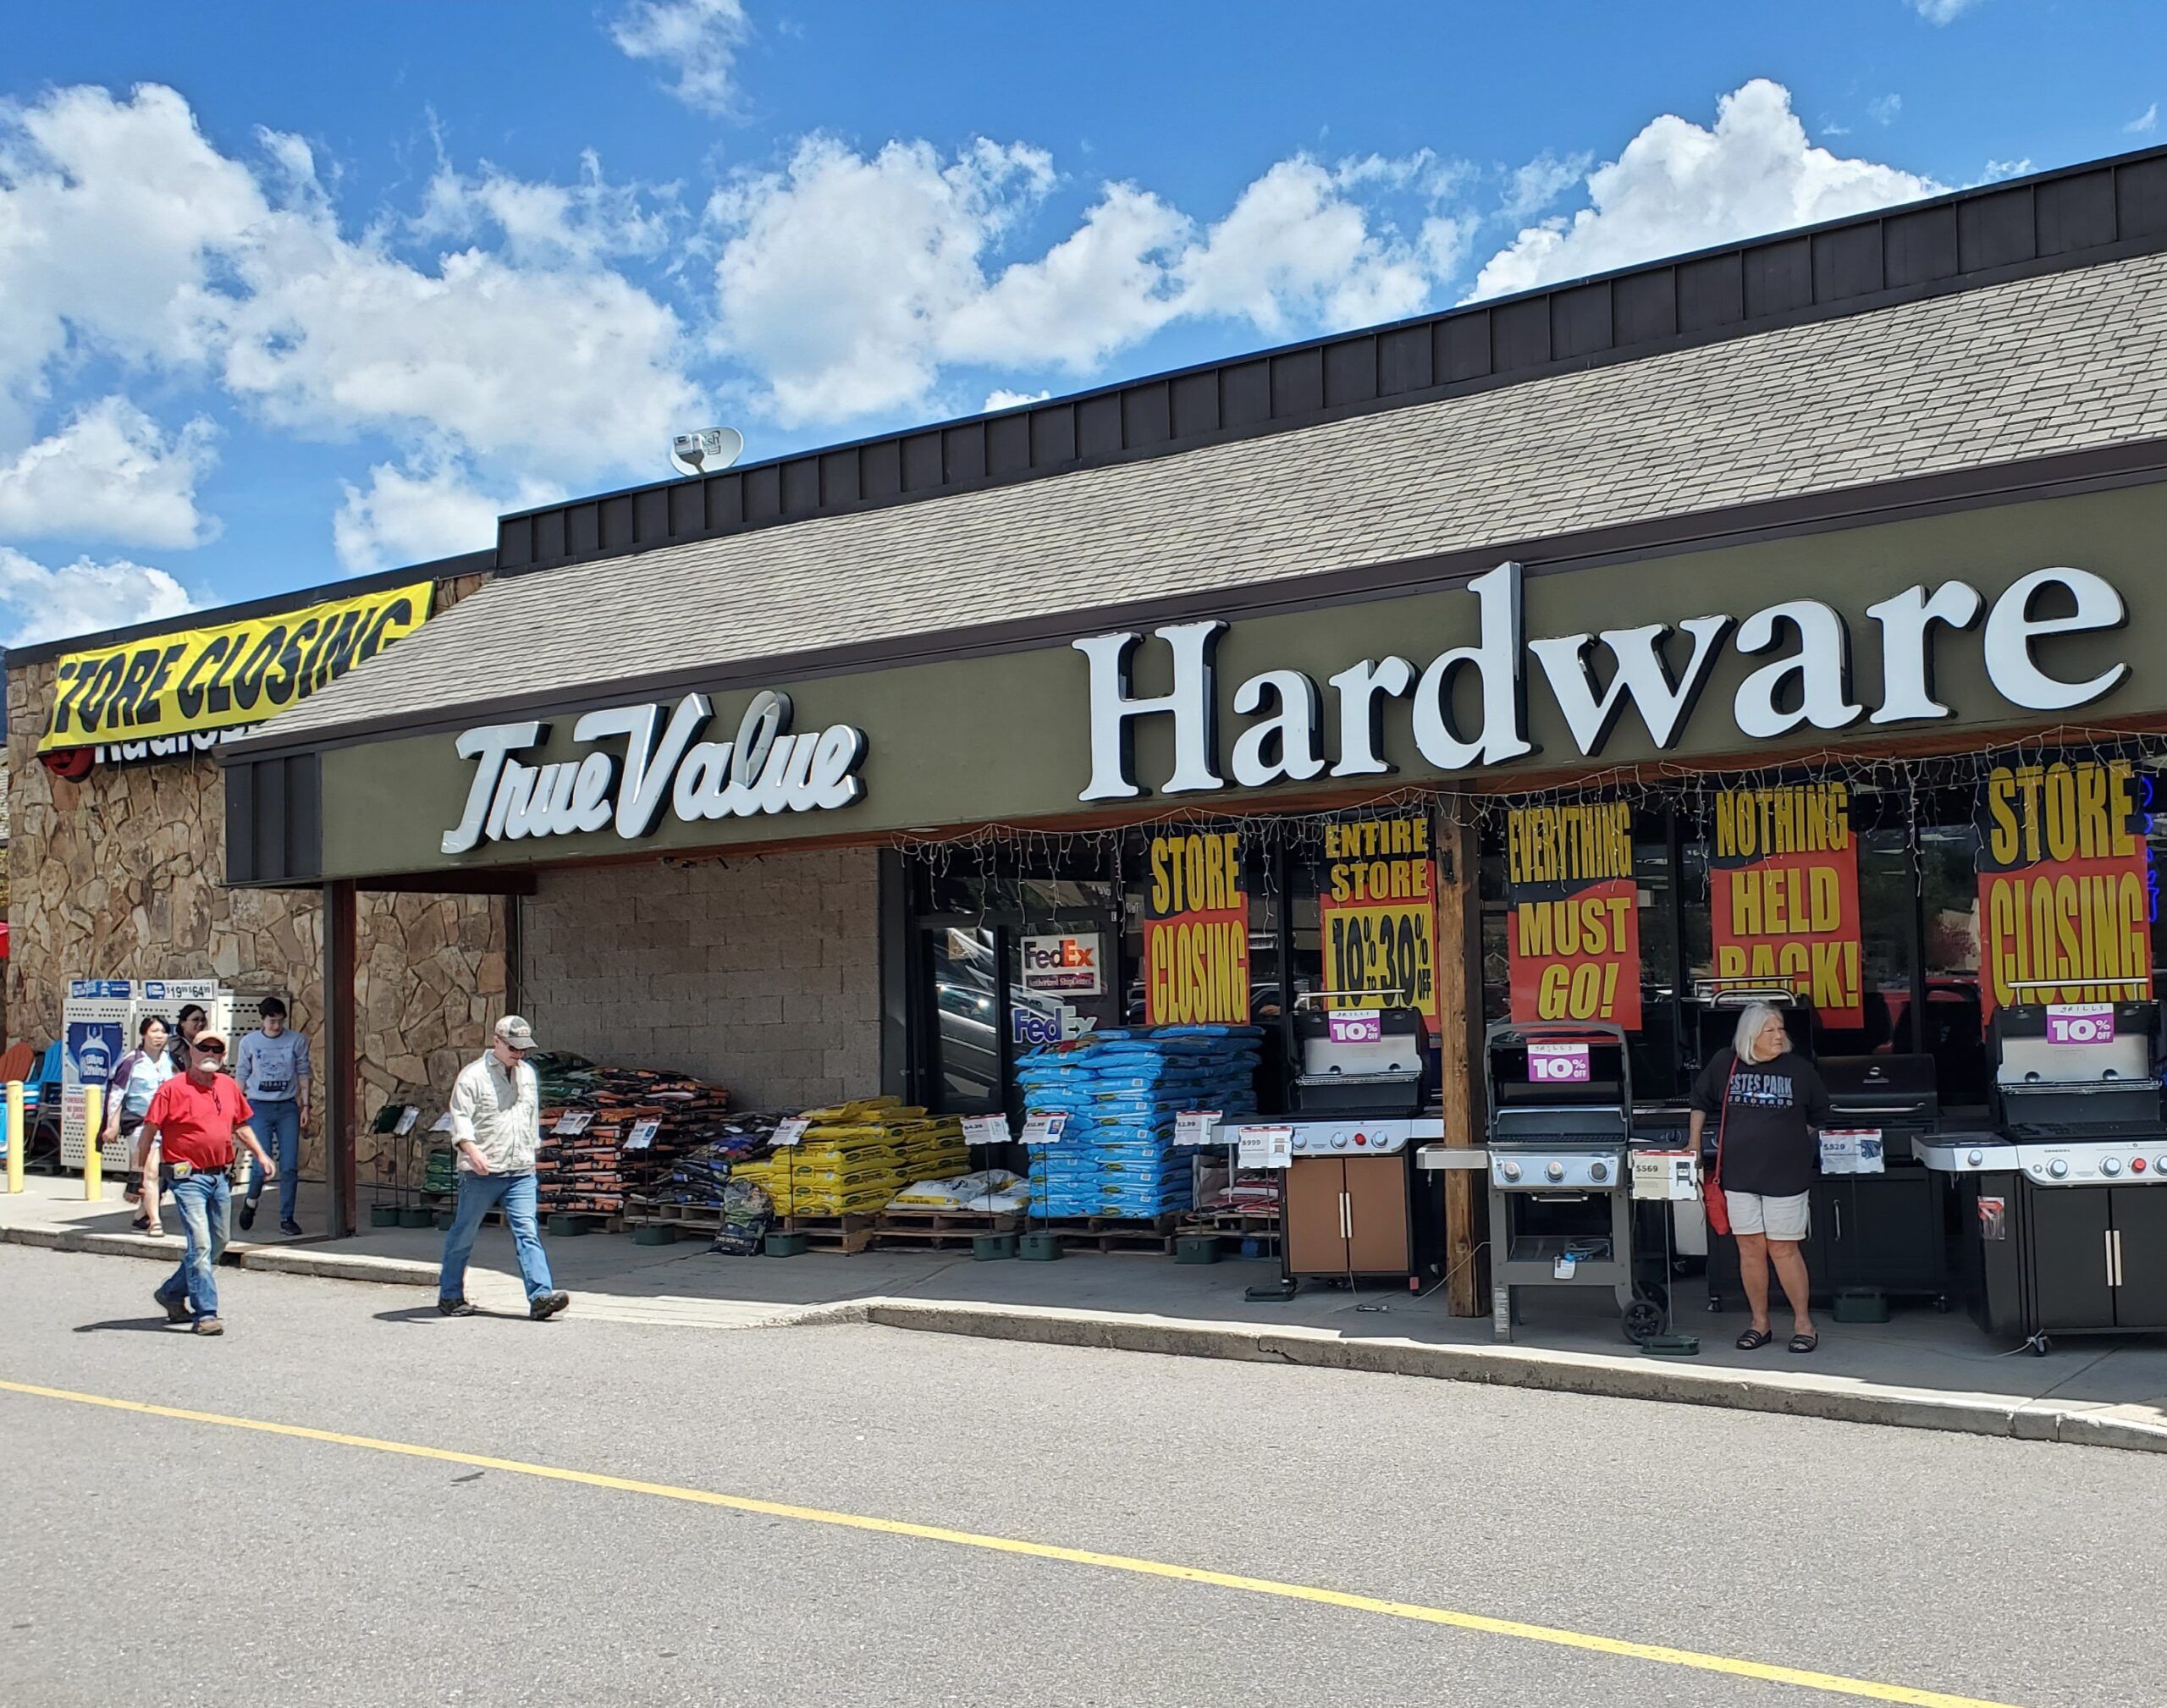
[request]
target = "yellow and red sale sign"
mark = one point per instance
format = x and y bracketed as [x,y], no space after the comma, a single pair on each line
[2064,884]
[1377,907]
[1196,930]
[1784,893]
[1572,933]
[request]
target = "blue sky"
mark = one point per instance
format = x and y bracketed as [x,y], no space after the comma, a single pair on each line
[288,294]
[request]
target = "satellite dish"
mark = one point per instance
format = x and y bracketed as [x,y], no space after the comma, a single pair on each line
[706,451]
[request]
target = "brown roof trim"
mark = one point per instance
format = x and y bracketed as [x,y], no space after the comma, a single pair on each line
[2060,475]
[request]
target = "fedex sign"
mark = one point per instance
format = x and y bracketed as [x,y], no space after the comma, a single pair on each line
[1070,965]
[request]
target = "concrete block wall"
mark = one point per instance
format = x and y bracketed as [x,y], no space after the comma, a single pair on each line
[762,975]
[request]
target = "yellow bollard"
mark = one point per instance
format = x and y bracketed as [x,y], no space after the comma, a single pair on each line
[17,1140]
[93,1123]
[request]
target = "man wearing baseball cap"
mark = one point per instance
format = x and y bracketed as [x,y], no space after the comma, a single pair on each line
[496,1123]
[188,1131]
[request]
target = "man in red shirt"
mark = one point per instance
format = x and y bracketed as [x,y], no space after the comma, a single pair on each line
[190,1127]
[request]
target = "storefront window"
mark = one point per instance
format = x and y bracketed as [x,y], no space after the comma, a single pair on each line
[1951,1028]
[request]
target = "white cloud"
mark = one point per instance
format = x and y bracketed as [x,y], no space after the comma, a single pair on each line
[1533,187]
[1676,187]
[697,39]
[848,282]
[1885,109]
[405,516]
[1942,11]
[1995,170]
[111,473]
[547,224]
[2145,123]
[84,597]
[114,216]
[1000,398]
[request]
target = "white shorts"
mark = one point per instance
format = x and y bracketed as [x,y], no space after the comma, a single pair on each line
[1778,1218]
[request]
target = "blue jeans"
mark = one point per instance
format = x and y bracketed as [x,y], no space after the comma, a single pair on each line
[203,1199]
[479,1194]
[278,1125]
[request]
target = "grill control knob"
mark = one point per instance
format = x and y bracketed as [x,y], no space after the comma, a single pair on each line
[1556,1170]
[2136,1165]
[1361,1138]
[1598,1171]
[1511,1171]
[2110,1165]
[2057,1168]
[1975,1158]
[1339,1141]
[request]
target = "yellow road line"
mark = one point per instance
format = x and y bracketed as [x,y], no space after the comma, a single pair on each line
[1830,1683]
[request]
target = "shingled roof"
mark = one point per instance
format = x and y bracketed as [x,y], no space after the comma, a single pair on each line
[2061,362]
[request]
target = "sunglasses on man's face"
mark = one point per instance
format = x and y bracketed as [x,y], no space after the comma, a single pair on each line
[217,1052]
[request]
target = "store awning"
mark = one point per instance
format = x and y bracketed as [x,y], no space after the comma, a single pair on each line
[2062,363]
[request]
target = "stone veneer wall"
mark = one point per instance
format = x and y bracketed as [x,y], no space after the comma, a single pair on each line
[762,975]
[121,876]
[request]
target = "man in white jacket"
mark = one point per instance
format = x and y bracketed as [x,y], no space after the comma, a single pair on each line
[496,1123]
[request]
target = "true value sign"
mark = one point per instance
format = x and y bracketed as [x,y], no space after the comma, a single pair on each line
[763,768]
[1593,678]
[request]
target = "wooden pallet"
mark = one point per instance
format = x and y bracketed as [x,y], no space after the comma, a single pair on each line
[693,1218]
[1233,1226]
[1151,1235]
[942,1227]
[847,1234]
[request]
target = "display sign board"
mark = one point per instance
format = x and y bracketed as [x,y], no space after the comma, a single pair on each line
[1356,1026]
[642,1134]
[791,1132]
[987,1129]
[1851,1150]
[2066,900]
[1377,908]
[1043,1128]
[407,1116]
[1071,965]
[1196,1125]
[1264,1147]
[1196,930]
[188,679]
[573,1121]
[1784,895]
[1557,1063]
[1572,926]
[2081,1022]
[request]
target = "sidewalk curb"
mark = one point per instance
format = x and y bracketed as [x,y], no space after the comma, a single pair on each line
[1802,1394]
[1524,1367]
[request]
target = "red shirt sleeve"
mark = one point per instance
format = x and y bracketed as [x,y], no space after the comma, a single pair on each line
[243,1112]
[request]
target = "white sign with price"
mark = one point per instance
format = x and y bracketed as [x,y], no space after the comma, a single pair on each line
[791,1132]
[1265,1147]
[1044,1129]
[1195,1126]
[986,1129]
[642,1134]
[1556,1062]
[573,1121]
[442,1123]
[407,1117]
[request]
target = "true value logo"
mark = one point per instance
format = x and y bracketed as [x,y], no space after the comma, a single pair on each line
[1808,682]
[764,768]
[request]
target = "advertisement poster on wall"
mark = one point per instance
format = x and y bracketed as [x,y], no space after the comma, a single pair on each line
[1196,930]
[1573,928]
[1784,895]
[2065,883]
[1377,908]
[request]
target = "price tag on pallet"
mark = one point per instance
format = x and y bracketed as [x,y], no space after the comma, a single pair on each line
[790,1132]
[442,1123]
[573,1121]
[642,1134]
[987,1129]
[1195,1126]
[407,1117]
[1044,1129]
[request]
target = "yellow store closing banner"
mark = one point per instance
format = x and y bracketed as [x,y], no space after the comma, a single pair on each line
[213,679]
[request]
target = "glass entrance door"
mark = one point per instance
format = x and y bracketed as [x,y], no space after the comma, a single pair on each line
[968,1009]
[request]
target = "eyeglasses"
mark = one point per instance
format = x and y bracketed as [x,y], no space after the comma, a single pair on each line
[217,1052]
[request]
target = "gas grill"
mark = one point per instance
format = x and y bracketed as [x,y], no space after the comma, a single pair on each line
[1560,1097]
[2061,1229]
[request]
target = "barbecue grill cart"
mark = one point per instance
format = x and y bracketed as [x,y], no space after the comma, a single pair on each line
[1560,1098]
[2062,1208]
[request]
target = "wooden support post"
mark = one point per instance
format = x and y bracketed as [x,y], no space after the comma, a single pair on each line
[1459,1041]
[342,1052]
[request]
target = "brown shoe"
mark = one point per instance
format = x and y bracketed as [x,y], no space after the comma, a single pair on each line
[547,1306]
[209,1325]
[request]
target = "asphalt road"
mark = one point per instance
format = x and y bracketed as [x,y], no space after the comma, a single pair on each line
[147,1559]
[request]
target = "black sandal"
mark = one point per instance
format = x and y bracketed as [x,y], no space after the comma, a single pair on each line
[1753,1340]
[1805,1343]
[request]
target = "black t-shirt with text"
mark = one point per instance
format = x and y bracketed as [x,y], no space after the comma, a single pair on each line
[1769,1144]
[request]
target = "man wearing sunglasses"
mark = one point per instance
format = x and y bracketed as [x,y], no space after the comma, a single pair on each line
[496,1123]
[188,1131]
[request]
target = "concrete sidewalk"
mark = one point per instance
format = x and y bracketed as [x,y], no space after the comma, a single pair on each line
[1921,1369]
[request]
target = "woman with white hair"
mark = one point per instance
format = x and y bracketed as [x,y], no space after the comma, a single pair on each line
[1767,1104]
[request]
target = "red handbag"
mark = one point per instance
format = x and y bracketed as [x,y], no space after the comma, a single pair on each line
[1711,1189]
